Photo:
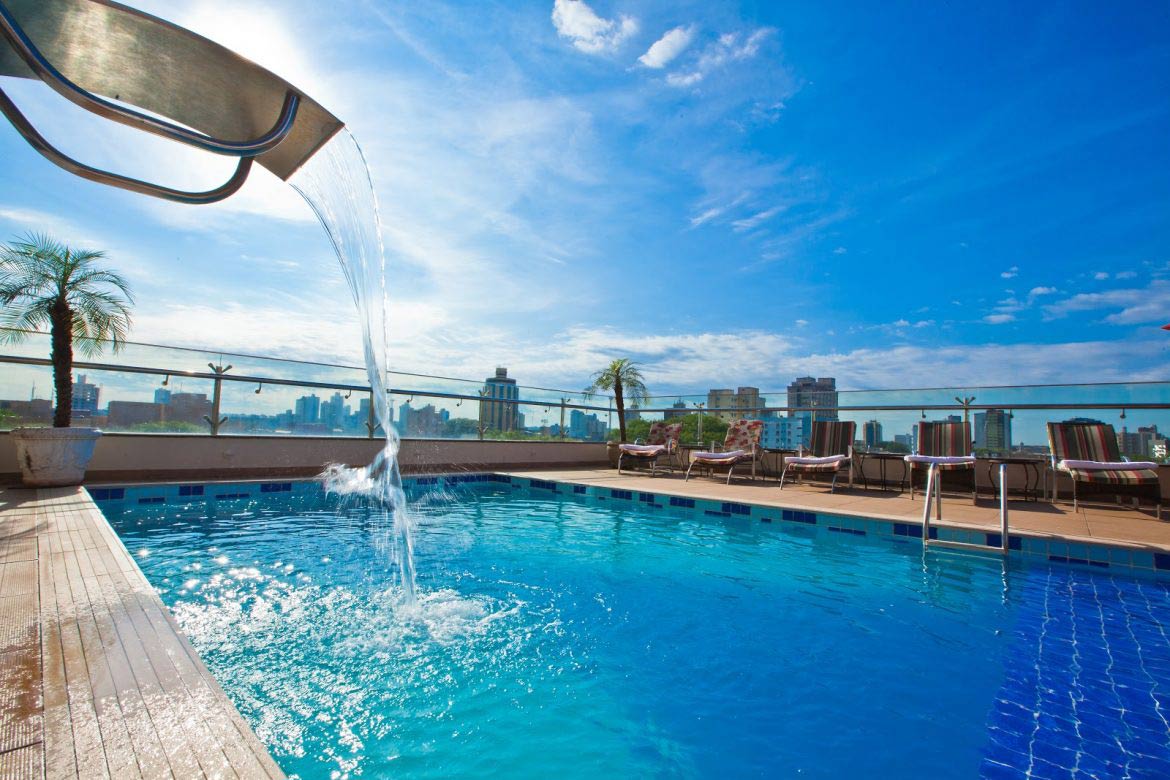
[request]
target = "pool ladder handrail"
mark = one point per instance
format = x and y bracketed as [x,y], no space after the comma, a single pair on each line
[934,495]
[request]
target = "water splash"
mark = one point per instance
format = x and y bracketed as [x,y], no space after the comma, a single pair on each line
[337,186]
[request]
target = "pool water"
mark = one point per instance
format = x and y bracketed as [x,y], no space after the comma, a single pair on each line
[563,636]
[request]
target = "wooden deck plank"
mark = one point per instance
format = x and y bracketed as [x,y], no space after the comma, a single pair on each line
[60,755]
[144,745]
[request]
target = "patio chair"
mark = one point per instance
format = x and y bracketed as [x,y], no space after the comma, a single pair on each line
[831,446]
[741,445]
[943,446]
[1088,452]
[661,440]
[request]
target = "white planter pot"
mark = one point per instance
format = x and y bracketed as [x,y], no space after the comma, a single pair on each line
[52,457]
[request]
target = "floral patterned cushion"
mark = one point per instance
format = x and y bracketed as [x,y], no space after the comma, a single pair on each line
[743,435]
[662,432]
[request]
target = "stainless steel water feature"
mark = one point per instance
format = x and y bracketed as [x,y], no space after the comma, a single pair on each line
[96,52]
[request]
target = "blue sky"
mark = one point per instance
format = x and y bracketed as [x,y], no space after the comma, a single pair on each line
[910,194]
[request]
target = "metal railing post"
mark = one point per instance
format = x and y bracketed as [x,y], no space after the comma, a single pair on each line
[217,392]
[1003,507]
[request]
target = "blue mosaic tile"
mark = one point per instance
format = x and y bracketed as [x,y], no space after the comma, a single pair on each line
[579,490]
[736,509]
[153,500]
[190,490]
[276,487]
[1081,671]
[542,484]
[687,503]
[627,495]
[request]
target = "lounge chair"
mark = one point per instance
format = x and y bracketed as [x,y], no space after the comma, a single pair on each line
[832,449]
[741,445]
[1088,452]
[661,441]
[943,446]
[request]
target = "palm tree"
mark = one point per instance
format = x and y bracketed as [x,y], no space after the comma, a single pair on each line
[625,381]
[45,283]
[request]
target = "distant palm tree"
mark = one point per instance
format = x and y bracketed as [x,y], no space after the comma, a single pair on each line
[45,283]
[625,381]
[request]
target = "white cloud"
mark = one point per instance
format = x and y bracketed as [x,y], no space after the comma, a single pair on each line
[1010,273]
[666,48]
[1035,291]
[747,223]
[1137,306]
[1125,275]
[587,31]
[840,250]
[999,319]
[727,49]
[1101,276]
[801,323]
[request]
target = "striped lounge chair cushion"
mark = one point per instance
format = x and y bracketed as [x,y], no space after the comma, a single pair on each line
[832,437]
[943,462]
[1115,476]
[1083,441]
[828,464]
[945,439]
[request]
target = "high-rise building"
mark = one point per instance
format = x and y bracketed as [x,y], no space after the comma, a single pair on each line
[872,433]
[424,422]
[818,396]
[787,433]
[162,395]
[736,404]
[85,395]
[308,409]
[585,426]
[993,430]
[495,414]
[334,412]
[677,409]
[187,407]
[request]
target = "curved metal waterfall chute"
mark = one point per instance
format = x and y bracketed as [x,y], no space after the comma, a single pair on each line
[86,48]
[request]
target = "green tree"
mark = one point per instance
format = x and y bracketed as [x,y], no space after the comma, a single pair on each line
[167,426]
[714,429]
[624,380]
[460,428]
[45,283]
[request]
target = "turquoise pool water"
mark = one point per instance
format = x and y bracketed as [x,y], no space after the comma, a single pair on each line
[569,636]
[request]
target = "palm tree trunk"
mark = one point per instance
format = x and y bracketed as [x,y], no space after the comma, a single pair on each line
[620,403]
[62,356]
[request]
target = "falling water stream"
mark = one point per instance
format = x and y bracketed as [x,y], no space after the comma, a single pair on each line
[336,184]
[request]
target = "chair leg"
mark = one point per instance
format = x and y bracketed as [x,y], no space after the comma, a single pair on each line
[1074,494]
[730,469]
[783,473]
[620,456]
[833,485]
[911,481]
[974,489]
[688,476]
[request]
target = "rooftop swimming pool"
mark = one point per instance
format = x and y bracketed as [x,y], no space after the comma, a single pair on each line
[583,632]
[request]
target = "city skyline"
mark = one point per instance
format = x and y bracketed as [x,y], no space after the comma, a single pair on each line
[1010,231]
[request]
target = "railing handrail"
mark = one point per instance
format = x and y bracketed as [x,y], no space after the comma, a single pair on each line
[307,383]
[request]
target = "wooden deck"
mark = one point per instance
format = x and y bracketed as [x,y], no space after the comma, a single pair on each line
[97,681]
[95,677]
